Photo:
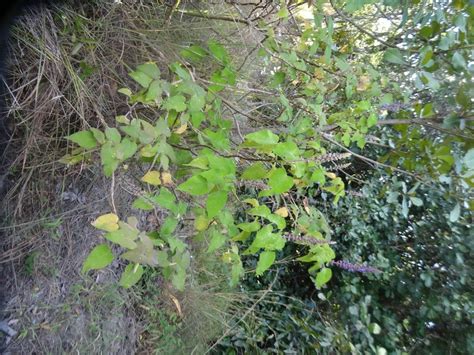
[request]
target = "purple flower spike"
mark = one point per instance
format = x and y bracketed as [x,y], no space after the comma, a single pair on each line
[305,239]
[345,265]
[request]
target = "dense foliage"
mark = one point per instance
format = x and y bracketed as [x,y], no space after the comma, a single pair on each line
[384,237]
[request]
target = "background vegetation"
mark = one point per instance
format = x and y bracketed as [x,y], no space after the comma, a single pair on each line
[299,177]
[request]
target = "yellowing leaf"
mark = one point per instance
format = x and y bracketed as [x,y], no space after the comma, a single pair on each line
[364,83]
[227,257]
[166,178]
[152,178]
[177,305]
[122,119]
[331,175]
[181,129]
[251,201]
[201,223]
[282,212]
[107,222]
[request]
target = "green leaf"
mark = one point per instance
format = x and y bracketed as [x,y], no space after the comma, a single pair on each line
[142,203]
[278,78]
[279,181]
[218,139]
[150,69]
[425,55]
[155,91]
[196,103]
[237,272]
[169,225]
[218,51]
[125,91]
[162,258]
[375,328]
[176,245]
[405,207]
[215,203]
[98,135]
[346,139]
[265,260]
[320,253]
[458,61]
[462,97]
[455,213]
[469,159]
[217,240]
[109,161]
[354,5]
[182,72]
[283,13]
[264,137]
[84,139]
[323,277]
[131,275]
[176,102]
[267,240]
[278,220]
[126,149]
[254,172]
[99,257]
[194,53]
[144,253]
[166,199]
[249,226]
[199,162]
[195,185]
[113,135]
[394,55]
[372,120]
[416,201]
[262,211]
[178,279]
[318,176]
[124,237]
[141,78]
[287,150]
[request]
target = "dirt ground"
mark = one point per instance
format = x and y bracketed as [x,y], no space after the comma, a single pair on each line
[48,302]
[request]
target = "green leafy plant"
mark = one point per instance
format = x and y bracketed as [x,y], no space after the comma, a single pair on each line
[251,198]
[211,176]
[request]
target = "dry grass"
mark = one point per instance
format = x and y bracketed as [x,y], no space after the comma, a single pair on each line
[67,65]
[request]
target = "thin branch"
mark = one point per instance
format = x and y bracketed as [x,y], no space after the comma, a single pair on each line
[221,154]
[360,28]
[212,17]
[329,139]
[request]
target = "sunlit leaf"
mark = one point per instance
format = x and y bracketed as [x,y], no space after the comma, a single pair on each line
[195,185]
[84,139]
[107,222]
[152,177]
[265,260]
[216,202]
[98,258]
[323,277]
[131,275]
[455,213]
